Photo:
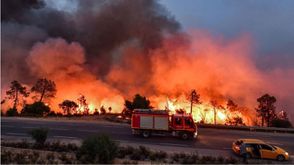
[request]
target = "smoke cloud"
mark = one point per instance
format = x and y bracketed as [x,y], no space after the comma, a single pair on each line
[111,50]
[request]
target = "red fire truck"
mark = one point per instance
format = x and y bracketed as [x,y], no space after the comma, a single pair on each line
[147,122]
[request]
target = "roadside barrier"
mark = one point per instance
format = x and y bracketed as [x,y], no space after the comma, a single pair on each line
[248,128]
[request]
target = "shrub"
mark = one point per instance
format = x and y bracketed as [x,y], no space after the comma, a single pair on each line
[72,147]
[231,160]
[39,135]
[6,157]
[281,123]
[37,109]
[23,144]
[129,150]
[52,114]
[19,158]
[12,112]
[135,156]
[208,159]
[140,153]
[220,159]
[97,149]
[129,162]
[191,159]
[50,157]
[145,152]
[65,159]
[121,153]
[124,151]
[158,155]
[175,157]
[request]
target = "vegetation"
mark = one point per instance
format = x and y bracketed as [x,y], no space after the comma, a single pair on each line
[102,110]
[53,114]
[194,98]
[281,123]
[83,105]
[266,109]
[12,112]
[37,109]
[45,88]
[55,146]
[39,135]
[15,92]
[235,121]
[59,153]
[69,107]
[139,102]
[97,149]
[231,105]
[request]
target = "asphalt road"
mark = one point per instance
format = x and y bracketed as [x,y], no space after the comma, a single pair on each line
[211,139]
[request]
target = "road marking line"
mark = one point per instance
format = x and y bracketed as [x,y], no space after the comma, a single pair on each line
[171,144]
[30,127]
[8,126]
[88,131]
[108,125]
[66,137]
[17,134]
[60,129]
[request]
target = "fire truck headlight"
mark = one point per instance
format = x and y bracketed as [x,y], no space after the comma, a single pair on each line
[195,134]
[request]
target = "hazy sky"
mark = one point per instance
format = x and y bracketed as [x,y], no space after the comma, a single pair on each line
[269,22]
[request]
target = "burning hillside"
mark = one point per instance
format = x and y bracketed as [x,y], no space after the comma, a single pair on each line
[142,50]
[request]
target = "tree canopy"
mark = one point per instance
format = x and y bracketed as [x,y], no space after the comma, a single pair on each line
[231,105]
[37,109]
[83,105]
[139,102]
[15,91]
[68,107]
[266,108]
[46,88]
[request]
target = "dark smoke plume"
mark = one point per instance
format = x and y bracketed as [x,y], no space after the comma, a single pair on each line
[110,50]
[15,10]
[99,30]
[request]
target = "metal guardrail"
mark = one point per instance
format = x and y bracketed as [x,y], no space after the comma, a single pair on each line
[248,128]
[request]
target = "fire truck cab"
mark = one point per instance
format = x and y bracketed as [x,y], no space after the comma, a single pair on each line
[147,122]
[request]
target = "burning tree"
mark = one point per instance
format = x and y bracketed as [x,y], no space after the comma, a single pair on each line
[139,102]
[281,120]
[68,106]
[235,121]
[215,105]
[102,110]
[194,97]
[37,109]
[46,88]
[16,90]
[180,111]
[282,115]
[231,105]
[83,105]
[266,108]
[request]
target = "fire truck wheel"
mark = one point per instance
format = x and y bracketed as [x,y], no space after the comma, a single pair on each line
[185,136]
[146,134]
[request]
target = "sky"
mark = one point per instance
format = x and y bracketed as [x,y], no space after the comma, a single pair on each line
[269,22]
[108,35]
